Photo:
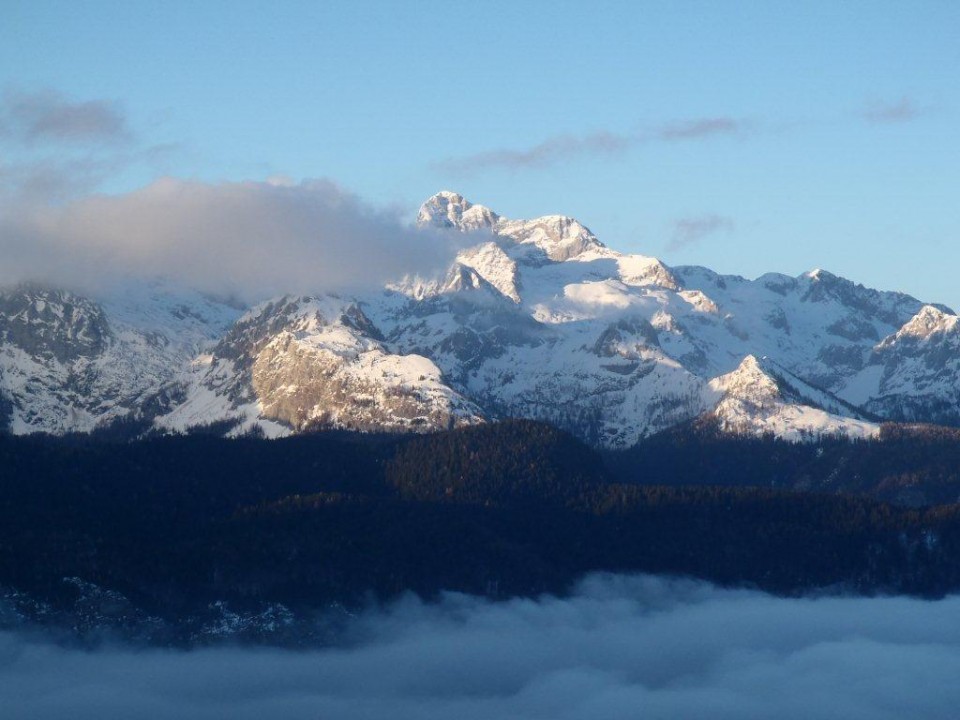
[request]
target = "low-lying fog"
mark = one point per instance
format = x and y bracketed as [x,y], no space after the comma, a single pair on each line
[619,647]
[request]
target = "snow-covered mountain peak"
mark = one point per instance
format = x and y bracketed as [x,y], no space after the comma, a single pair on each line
[750,378]
[536,318]
[913,374]
[822,284]
[448,209]
[929,321]
[760,397]
[494,265]
[302,316]
[558,237]
[642,271]
[825,277]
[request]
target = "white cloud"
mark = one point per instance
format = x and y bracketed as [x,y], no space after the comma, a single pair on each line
[248,238]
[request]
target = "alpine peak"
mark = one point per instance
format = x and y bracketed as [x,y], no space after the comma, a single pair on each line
[558,237]
[928,321]
[448,209]
[760,397]
[749,376]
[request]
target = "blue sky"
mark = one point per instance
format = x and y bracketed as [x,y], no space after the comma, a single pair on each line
[747,137]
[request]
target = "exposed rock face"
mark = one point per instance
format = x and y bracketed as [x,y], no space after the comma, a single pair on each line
[304,363]
[534,318]
[52,324]
[306,387]
[912,374]
[69,363]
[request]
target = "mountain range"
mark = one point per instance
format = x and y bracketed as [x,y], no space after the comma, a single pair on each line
[534,319]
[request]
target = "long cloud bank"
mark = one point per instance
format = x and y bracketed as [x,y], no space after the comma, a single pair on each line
[251,239]
[619,647]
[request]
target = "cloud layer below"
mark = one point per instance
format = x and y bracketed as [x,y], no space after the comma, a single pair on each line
[251,239]
[618,647]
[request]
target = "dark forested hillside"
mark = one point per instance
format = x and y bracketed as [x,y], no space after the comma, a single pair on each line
[502,463]
[913,465]
[177,524]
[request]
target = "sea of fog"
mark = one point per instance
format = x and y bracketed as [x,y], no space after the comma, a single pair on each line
[618,647]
